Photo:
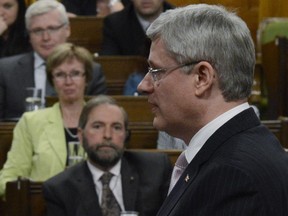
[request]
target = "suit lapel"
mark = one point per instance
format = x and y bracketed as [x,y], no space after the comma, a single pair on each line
[25,70]
[55,134]
[89,197]
[248,120]
[130,184]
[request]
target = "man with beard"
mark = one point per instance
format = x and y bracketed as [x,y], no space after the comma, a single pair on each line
[139,182]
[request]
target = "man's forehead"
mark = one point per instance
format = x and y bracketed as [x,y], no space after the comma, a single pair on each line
[106,112]
[50,18]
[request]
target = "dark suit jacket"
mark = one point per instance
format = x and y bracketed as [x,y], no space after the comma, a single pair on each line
[145,181]
[124,35]
[84,7]
[17,73]
[241,170]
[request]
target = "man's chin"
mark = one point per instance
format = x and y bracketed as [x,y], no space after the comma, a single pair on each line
[157,123]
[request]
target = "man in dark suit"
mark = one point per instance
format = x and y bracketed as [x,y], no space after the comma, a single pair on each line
[48,26]
[124,31]
[202,61]
[89,7]
[140,180]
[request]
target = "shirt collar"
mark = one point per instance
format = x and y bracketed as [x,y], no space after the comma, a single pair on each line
[97,173]
[144,23]
[199,139]
[39,61]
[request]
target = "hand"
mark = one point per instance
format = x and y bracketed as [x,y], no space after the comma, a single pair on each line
[71,15]
[3,26]
[117,6]
[103,8]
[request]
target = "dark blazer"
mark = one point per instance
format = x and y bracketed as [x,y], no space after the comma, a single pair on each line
[17,73]
[241,170]
[84,7]
[145,181]
[124,35]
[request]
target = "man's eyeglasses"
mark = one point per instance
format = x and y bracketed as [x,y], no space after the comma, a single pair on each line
[74,75]
[50,30]
[157,74]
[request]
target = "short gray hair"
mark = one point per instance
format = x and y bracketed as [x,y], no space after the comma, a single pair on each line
[210,33]
[44,6]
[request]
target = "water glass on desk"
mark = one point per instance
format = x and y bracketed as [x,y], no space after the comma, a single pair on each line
[76,153]
[129,213]
[33,99]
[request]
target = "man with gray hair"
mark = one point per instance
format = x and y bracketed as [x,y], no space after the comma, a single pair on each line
[202,61]
[48,26]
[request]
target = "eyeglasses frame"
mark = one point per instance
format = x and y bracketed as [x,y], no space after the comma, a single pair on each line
[64,76]
[154,72]
[49,30]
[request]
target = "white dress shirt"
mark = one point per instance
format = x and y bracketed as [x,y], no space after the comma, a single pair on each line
[199,139]
[115,183]
[144,23]
[40,75]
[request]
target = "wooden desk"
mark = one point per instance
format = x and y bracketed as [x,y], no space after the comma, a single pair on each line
[25,198]
[6,136]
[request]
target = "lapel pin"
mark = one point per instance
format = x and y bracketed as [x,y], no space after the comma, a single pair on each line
[187,178]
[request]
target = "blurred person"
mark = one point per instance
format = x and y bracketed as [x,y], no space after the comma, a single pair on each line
[48,26]
[41,139]
[124,31]
[139,180]
[202,61]
[165,141]
[13,35]
[99,8]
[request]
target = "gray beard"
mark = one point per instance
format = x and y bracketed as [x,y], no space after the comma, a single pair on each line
[103,158]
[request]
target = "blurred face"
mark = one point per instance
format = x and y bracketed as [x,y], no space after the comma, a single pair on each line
[104,135]
[46,32]
[8,11]
[148,8]
[172,96]
[69,80]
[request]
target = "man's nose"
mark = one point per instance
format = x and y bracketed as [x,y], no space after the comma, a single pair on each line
[146,85]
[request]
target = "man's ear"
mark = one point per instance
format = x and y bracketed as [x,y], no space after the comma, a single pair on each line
[128,135]
[204,77]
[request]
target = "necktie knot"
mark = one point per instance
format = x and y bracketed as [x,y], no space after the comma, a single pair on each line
[181,161]
[179,168]
[106,178]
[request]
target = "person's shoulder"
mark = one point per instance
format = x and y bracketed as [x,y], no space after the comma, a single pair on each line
[167,6]
[145,156]
[39,115]
[67,174]
[13,59]
[120,16]
[96,66]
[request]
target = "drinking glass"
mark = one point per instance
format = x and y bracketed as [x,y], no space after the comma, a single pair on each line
[76,153]
[129,213]
[33,99]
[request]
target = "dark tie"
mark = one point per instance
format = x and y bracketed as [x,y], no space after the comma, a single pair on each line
[179,168]
[109,205]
